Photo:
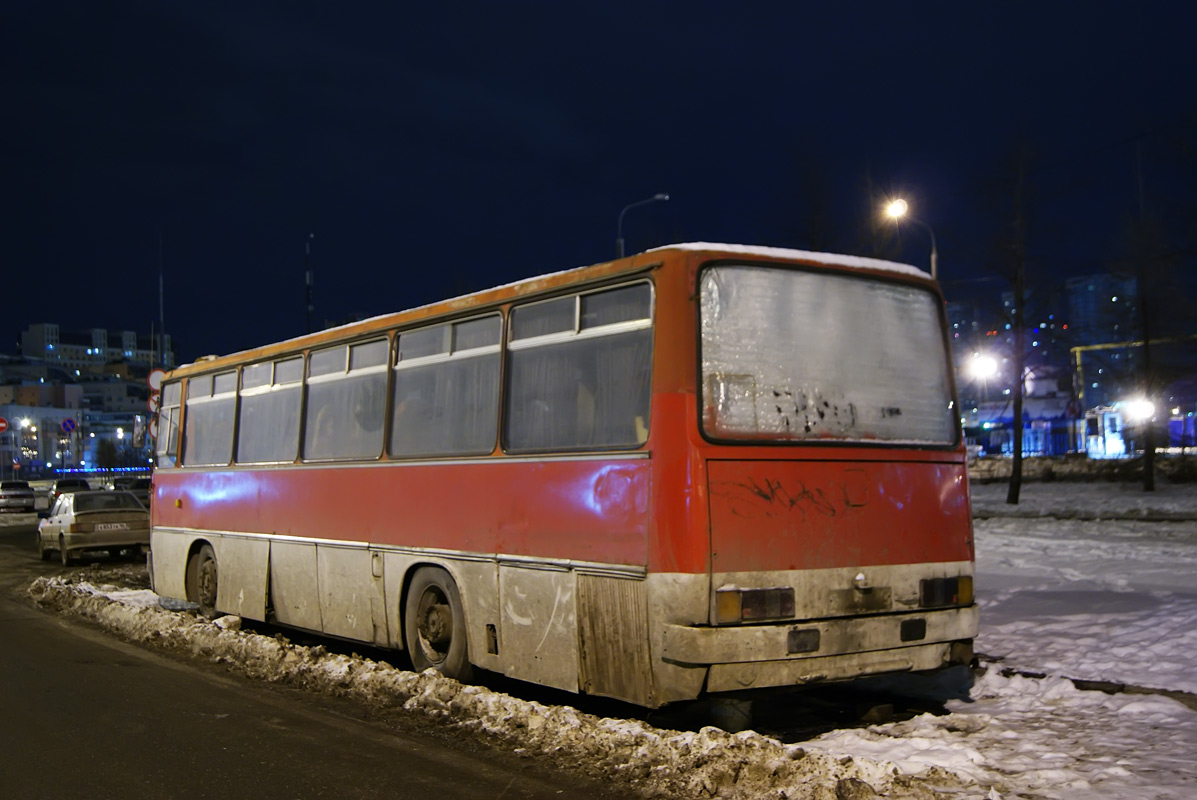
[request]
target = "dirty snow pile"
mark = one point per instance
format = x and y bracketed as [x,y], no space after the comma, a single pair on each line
[1065,597]
[660,763]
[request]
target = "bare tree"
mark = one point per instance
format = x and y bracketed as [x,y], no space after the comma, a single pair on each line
[1018,258]
[1011,194]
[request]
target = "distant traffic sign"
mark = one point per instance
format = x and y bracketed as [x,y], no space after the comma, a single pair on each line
[154,379]
[3,424]
[154,401]
[68,425]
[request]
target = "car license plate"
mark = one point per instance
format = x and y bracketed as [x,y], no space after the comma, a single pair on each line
[112,526]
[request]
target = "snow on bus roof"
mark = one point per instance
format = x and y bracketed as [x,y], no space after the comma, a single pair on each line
[855,262]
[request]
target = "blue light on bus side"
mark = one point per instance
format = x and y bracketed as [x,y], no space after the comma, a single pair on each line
[215,489]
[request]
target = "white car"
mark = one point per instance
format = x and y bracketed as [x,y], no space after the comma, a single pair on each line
[17,497]
[94,520]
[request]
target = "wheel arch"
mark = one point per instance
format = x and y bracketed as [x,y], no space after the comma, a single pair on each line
[469,580]
[194,547]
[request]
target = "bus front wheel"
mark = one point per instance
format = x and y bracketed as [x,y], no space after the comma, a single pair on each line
[202,580]
[434,625]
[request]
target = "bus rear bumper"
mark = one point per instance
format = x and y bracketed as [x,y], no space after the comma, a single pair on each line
[761,656]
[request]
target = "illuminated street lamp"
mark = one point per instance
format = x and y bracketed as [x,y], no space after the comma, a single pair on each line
[982,368]
[1139,410]
[619,226]
[898,210]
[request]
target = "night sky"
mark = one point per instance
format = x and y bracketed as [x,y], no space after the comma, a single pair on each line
[436,149]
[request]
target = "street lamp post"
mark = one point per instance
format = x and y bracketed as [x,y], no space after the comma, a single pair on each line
[899,209]
[619,227]
[307,267]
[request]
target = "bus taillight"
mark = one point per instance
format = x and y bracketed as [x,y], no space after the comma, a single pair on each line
[753,605]
[935,592]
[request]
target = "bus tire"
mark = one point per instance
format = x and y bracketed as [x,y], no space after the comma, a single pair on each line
[434,625]
[202,580]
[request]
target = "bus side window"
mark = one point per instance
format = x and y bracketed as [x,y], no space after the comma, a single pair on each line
[346,390]
[582,388]
[447,389]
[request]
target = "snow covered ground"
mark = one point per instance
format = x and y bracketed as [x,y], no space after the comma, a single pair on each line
[1074,585]
[1071,598]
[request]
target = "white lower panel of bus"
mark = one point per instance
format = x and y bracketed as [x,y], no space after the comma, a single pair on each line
[762,655]
[739,677]
[603,629]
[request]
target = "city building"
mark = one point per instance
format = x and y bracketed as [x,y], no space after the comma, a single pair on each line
[1103,310]
[95,347]
[59,415]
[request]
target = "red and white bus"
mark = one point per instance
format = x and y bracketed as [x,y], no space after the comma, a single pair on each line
[697,470]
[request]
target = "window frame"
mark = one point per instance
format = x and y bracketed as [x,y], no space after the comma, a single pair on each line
[212,397]
[579,333]
[871,444]
[346,371]
[397,364]
[272,385]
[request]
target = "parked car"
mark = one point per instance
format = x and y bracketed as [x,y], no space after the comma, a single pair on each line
[64,485]
[140,487]
[94,520]
[16,497]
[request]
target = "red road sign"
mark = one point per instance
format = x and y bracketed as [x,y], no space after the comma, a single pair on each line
[154,379]
[3,424]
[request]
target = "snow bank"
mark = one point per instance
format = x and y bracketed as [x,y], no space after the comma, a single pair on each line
[1173,468]
[706,763]
[1045,738]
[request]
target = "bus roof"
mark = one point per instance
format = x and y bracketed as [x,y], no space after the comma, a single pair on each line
[858,262]
[548,281]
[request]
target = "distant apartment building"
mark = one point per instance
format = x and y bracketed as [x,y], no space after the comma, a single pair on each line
[1102,308]
[964,324]
[92,348]
[52,395]
[68,395]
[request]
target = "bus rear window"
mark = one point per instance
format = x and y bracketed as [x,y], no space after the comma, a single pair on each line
[797,356]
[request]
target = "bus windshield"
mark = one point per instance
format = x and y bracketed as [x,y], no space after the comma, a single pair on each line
[798,356]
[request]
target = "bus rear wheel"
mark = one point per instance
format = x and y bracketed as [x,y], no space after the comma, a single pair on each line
[202,580]
[434,625]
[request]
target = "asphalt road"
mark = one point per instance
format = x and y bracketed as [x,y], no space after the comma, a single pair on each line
[85,715]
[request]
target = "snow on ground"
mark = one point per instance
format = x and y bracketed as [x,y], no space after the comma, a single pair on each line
[1071,598]
[1072,585]
[1090,500]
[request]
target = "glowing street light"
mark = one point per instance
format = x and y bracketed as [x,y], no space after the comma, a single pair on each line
[1140,409]
[898,210]
[982,368]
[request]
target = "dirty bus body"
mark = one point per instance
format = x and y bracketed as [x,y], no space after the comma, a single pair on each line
[697,470]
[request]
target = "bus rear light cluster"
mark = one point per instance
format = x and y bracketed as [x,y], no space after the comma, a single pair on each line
[753,605]
[934,592]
